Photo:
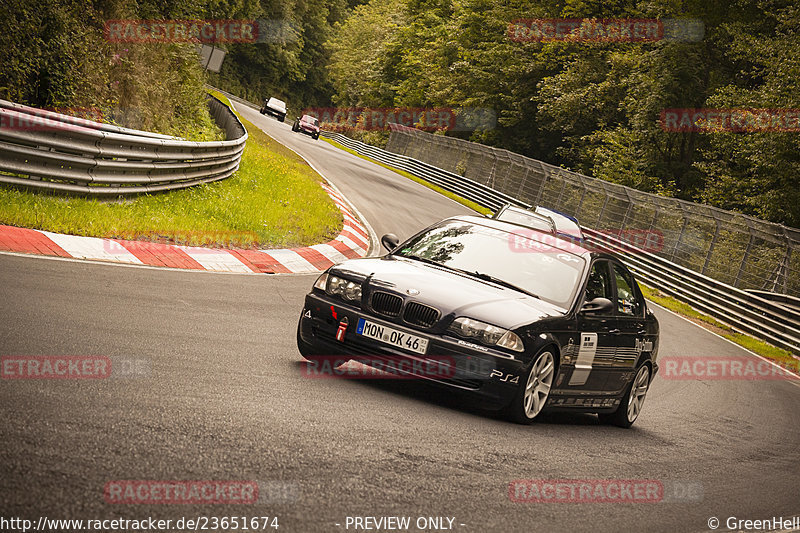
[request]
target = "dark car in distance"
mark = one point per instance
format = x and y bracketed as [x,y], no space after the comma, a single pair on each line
[527,321]
[308,125]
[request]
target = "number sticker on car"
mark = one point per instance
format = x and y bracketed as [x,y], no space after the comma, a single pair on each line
[586,353]
[391,336]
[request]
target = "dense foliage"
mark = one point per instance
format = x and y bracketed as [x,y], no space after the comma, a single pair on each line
[53,54]
[593,106]
[291,62]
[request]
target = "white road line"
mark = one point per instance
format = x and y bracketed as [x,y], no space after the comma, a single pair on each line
[92,248]
[773,363]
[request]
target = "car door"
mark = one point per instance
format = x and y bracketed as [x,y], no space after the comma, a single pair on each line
[631,323]
[595,345]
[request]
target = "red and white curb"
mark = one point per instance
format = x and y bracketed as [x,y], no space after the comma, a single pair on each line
[352,242]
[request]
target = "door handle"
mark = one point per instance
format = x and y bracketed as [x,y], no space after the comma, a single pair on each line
[614,332]
[642,332]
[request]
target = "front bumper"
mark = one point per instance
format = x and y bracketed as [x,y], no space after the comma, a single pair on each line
[490,375]
[274,112]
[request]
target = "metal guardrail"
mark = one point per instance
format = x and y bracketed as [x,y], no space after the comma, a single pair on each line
[785,300]
[235,98]
[743,311]
[464,187]
[49,151]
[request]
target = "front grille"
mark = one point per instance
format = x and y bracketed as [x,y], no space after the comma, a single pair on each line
[420,315]
[386,304]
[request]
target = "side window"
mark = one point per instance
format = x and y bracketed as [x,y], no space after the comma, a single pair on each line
[629,302]
[599,284]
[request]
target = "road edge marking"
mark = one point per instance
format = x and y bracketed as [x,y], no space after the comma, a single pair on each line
[795,381]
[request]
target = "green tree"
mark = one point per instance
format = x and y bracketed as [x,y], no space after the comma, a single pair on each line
[759,172]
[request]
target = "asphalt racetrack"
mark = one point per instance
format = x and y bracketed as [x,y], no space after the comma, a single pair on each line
[219,393]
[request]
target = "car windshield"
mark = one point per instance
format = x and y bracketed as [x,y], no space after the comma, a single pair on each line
[515,258]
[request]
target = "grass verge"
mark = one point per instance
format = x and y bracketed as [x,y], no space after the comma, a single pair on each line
[468,203]
[273,201]
[758,346]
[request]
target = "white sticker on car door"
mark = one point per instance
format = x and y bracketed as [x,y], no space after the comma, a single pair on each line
[583,365]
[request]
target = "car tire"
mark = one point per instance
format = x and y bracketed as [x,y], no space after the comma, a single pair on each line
[315,136]
[281,118]
[534,390]
[296,126]
[632,402]
[262,111]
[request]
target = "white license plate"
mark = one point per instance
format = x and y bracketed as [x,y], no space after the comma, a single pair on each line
[391,336]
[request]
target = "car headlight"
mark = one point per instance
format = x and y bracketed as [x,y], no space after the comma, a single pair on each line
[335,286]
[486,333]
[338,286]
[352,291]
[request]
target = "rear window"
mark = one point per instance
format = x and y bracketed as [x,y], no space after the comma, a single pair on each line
[524,218]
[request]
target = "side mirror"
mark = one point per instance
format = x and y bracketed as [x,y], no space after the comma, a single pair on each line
[599,306]
[390,241]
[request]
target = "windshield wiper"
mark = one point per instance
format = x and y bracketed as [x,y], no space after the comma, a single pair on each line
[428,261]
[504,283]
[479,275]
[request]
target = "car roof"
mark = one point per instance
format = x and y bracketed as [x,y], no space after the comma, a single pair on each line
[564,223]
[556,240]
[541,218]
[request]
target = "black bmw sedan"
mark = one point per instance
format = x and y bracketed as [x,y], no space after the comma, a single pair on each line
[525,320]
